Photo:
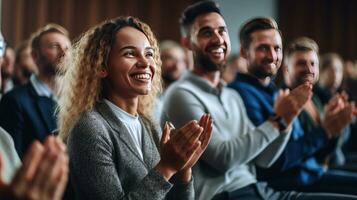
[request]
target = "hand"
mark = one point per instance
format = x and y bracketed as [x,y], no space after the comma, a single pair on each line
[338,114]
[206,123]
[177,150]
[44,172]
[289,104]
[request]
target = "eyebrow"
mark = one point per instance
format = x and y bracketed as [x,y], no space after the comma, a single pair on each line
[210,28]
[133,47]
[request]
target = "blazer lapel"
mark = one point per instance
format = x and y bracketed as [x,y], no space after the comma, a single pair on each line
[118,127]
[150,152]
[46,109]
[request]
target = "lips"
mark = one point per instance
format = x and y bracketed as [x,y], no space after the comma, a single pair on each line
[142,77]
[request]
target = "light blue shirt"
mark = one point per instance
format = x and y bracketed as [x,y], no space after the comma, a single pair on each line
[41,88]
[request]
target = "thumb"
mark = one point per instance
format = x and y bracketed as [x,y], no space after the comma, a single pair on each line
[2,183]
[165,134]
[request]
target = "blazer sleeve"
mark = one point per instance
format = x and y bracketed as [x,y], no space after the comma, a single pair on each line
[93,171]
[179,189]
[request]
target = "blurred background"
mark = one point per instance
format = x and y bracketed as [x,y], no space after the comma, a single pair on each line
[332,23]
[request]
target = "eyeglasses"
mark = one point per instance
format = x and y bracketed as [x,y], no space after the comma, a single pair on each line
[2,47]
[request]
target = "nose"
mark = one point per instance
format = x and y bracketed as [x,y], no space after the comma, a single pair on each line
[310,68]
[62,50]
[217,38]
[272,54]
[143,62]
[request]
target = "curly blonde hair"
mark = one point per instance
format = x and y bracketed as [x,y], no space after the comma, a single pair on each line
[81,86]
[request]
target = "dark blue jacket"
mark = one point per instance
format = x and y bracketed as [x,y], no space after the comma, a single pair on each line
[297,162]
[27,116]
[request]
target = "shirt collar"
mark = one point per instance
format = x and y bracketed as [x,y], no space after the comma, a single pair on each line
[271,88]
[120,113]
[41,88]
[205,85]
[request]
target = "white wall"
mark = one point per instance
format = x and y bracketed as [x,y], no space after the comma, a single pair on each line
[237,12]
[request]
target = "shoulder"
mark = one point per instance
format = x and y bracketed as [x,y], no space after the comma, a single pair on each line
[5,139]
[21,93]
[89,128]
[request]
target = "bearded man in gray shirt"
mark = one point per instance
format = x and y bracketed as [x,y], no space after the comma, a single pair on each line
[226,169]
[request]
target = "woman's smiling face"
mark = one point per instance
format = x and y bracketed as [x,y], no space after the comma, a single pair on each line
[131,64]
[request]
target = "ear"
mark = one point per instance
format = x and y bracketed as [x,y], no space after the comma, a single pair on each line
[243,52]
[185,41]
[103,73]
[35,55]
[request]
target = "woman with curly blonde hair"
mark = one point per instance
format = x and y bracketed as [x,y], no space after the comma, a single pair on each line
[111,80]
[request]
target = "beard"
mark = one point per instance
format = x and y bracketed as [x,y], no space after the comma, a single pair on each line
[259,69]
[49,68]
[205,62]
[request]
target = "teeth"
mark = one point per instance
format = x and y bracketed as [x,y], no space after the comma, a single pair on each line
[219,50]
[142,76]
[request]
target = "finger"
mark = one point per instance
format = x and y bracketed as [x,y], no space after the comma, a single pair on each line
[206,125]
[165,135]
[62,182]
[46,169]
[185,131]
[187,139]
[344,95]
[188,126]
[32,159]
[2,183]
[56,176]
[202,120]
[207,135]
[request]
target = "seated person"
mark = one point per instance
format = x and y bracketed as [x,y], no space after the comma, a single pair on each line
[106,104]
[44,172]
[226,170]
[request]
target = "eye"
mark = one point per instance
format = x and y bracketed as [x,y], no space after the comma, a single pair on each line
[205,33]
[149,54]
[129,54]
[222,31]
[54,46]
[277,49]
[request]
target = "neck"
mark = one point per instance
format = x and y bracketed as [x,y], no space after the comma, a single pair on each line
[213,77]
[264,81]
[50,81]
[129,105]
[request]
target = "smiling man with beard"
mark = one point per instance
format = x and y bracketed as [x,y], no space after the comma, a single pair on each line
[262,47]
[226,169]
[28,112]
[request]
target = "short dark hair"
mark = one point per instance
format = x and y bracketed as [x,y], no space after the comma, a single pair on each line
[49,28]
[191,12]
[301,44]
[255,24]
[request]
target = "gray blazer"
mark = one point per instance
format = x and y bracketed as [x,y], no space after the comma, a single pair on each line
[104,163]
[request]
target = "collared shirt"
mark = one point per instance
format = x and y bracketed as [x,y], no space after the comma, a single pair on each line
[131,122]
[41,88]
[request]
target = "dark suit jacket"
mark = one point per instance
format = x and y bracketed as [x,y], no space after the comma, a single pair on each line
[27,116]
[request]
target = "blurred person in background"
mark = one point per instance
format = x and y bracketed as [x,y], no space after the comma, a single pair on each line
[28,112]
[24,64]
[174,64]
[7,70]
[235,64]
[44,172]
